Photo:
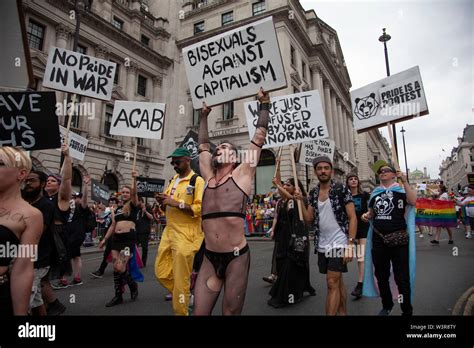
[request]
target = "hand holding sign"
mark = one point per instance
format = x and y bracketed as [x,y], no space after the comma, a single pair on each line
[263,97]
[65,149]
[86,180]
[206,110]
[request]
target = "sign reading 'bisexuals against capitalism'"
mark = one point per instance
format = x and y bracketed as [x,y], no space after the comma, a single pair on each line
[78,73]
[393,99]
[234,64]
[294,119]
[138,119]
[28,119]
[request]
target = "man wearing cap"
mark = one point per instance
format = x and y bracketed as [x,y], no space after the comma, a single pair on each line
[332,213]
[391,240]
[183,235]
[468,203]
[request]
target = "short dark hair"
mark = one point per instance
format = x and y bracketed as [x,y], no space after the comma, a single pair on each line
[41,175]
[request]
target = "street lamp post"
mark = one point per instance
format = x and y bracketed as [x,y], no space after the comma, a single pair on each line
[384,38]
[405,152]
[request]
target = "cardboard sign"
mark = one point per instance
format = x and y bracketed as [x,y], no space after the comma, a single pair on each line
[393,99]
[138,119]
[294,119]
[234,64]
[191,143]
[28,119]
[79,73]
[77,144]
[100,192]
[147,187]
[317,148]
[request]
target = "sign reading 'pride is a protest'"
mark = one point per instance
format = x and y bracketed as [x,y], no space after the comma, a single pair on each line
[78,73]
[294,119]
[234,64]
[138,119]
[77,144]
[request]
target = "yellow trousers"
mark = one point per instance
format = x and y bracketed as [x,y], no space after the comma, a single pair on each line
[174,262]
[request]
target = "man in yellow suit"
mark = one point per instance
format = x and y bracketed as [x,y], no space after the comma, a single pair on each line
[183,235]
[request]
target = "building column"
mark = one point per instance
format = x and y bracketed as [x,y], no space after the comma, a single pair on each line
[130,91]
[327,110]
[95,123]
[62,37]
[318,84]
[343,126]
[158,98]
[337,122]
[351,134]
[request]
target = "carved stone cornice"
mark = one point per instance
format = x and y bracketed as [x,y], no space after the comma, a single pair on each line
[63,31]
[101,51]
[157,81]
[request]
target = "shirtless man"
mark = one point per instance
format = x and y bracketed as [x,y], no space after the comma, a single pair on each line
[21,226]
[228,185]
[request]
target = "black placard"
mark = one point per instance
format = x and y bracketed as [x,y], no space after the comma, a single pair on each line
[191,143]
[100,192]
[147,187]
[29,120]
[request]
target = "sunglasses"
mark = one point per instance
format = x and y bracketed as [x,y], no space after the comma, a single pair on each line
[176,162]
[383,171]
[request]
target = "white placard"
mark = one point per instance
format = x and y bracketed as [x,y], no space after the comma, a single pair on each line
[234,64]
[317,148]
[393,99]
[79,73]
[294,119]
[138,119]
[77,144]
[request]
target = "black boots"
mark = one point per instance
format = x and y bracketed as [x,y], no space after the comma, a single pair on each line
[132,285]
[357,293]
[118,299]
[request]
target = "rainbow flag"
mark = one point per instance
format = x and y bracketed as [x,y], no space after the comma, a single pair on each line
[436,213]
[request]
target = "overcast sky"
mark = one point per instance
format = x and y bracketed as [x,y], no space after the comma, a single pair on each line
[435,35]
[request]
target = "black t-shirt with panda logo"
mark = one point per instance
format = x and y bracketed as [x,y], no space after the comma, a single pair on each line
[389,211]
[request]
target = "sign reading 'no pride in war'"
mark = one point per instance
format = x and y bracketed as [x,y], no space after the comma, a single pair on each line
[393,99]
[138,119]
[294,119]
[234,64]
[28,119]
[77,144]
[316,148]
[78,73]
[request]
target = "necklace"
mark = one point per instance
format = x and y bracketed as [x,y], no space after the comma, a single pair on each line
[222,177]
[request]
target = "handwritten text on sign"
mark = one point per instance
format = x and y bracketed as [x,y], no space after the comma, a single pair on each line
[78,73]
[234,64]
[77,144]
[138,119]
[316,148]
[28,119]
[295,118]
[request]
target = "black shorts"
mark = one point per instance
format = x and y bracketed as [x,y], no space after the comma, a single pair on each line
[362,233]
[74,244]
[333,264]
[6,305]
[121,241]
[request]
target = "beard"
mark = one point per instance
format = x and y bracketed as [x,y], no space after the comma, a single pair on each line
[325,179]
[29,195]
[216,164]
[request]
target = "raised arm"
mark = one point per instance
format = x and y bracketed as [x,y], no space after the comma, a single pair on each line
[85,184]
[411,194]
[65,187]
[205,155]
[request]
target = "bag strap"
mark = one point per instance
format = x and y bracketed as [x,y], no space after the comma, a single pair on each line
[192,182]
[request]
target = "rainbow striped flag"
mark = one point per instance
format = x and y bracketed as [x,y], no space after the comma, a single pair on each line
[436,213]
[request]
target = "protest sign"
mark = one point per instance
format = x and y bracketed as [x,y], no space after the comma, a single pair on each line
[28,119]
[393,99]
[79,73]
[138,119]
[100,192]
[294,118]
[316,148]
[77,144]
[234,64]
[147,187]
[191,143]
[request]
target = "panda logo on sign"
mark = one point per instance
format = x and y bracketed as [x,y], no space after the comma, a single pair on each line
[366,107]
[192,147]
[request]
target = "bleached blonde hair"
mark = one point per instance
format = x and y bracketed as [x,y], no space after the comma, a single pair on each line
[15,158]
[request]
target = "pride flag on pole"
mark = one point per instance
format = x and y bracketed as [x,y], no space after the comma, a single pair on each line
[436,213]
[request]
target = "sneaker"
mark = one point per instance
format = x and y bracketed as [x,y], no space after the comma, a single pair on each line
[61,284]
[97,274]
[450,242]
[435,242]
[56,308]
[169,297]
[420,235]
[76,281]
[270,279]
[385,312]
[357,291]
[468,235]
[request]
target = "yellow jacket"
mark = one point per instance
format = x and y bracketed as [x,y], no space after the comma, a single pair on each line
[184,192]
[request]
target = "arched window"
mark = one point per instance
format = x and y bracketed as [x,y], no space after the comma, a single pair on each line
[111,181]
[76,180]
[265,172]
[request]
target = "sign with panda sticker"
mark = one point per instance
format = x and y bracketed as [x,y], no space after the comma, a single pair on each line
[190,142]
[393,99]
